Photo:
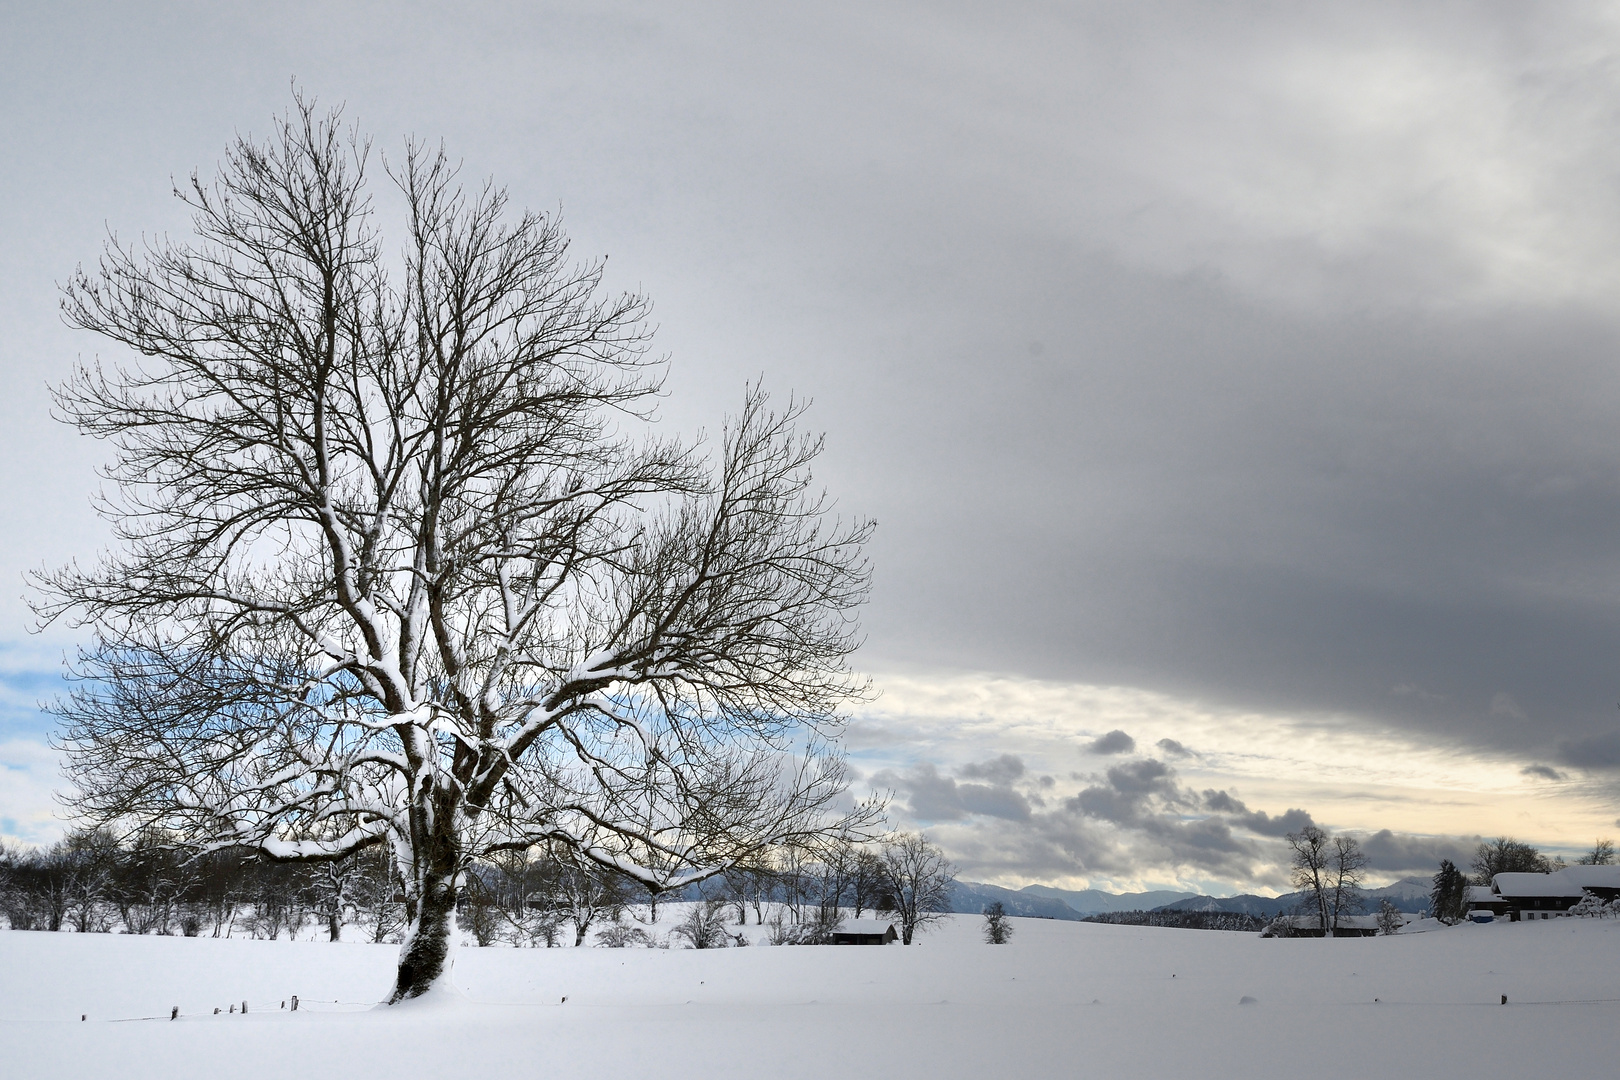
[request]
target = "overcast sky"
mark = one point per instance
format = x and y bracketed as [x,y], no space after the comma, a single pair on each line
[1239,378]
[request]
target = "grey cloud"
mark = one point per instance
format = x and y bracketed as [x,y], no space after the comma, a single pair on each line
[932,797]
[1291,820]
[1395,853]
[1172,748]
[1142,777]
[1002,770]
[1596,752]
[1257,821]
[1545,772]
[1115,742]
[1134,819]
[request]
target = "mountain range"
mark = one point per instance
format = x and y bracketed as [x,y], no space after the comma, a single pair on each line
[1045,902]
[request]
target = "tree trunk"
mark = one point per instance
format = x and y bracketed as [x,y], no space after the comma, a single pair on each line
[425,955]
[334,925]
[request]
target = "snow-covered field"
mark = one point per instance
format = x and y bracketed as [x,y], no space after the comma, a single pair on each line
[1062,1000]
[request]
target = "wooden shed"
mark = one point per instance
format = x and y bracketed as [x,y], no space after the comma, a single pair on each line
[865,932]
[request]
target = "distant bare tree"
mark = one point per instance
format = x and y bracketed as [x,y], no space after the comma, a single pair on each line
[998,929]
[1390,919]
[1602,854]
[584,893]
[1505,855]
[1345,863]
[395,572]
[867,883]
[918,877]
[1312,852]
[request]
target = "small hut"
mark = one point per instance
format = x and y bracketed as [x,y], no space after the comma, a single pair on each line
[864,932]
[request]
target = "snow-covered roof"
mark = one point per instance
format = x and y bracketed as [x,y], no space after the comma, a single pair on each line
[1481,894]
[865,926]
[1593,877]
[1556,884]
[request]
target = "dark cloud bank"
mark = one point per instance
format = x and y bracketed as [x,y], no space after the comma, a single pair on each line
[1134,820]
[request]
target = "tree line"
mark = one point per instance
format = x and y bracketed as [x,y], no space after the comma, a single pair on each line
[1183,920]
[90,882]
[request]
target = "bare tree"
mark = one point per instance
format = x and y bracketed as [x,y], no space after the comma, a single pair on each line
[1345,864]
[1602,854]
[867,884]
[1309,870]
[584,893]
[1505,855]
[998,929]
[919,879]
[395,570]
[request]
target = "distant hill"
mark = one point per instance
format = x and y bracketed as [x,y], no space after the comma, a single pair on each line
[1408,894]
[1096,902]
[971,897]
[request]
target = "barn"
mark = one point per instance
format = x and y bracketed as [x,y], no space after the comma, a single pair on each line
[864,932]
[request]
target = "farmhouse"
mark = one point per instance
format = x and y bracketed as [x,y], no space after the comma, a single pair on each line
[1537,896]
[864,932]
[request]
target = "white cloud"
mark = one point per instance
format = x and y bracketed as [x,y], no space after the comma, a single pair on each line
[30,774]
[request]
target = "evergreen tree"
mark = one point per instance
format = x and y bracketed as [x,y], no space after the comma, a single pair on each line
[1450,895]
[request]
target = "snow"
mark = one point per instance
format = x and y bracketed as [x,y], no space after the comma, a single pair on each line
[1516,884]
[1062,999]
[1593,877]
[867,926]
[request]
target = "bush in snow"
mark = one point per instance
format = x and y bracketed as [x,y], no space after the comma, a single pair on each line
[704,926]
[997,925]
[623,936]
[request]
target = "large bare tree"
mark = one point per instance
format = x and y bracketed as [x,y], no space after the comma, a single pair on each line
[397,566]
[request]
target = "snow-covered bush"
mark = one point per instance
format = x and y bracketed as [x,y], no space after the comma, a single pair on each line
[1390,919]
[1591,907]
[704,926]
[623,936]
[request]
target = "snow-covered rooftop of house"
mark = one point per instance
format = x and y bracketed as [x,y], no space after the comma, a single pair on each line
[865,926]
[1555,884]
[1481,894]
[1593,877]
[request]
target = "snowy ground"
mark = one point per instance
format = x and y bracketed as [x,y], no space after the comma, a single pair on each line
[1062,1000]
